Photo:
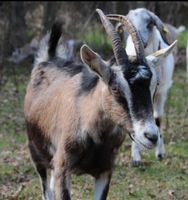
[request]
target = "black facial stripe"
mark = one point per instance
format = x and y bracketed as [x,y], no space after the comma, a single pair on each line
[141,102]
[138,73]
[139,79]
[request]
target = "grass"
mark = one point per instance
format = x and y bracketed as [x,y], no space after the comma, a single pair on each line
[163,180]
[183,39]
[95,37]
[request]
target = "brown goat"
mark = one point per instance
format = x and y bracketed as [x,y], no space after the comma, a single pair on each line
[77,114]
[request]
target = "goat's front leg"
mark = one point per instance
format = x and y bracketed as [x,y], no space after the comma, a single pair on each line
[102,186]
[160,149]
[60,180]
[159,104]
[135,154]
[40,168]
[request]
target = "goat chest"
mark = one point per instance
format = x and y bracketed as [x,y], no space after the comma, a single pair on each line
[89,157]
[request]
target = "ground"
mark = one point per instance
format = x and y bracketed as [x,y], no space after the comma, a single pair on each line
[164,180]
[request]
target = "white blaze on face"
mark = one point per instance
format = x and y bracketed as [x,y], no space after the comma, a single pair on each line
[125,88]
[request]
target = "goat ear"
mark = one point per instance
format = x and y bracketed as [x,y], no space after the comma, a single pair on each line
[159,55]
[120,30]
[95,62]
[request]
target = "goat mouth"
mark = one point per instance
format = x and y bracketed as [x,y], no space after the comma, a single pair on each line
[144,146]
[131,135]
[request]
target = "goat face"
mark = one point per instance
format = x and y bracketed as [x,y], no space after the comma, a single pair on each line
[144,21]
[133,90]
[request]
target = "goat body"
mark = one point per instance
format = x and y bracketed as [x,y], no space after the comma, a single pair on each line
[77,114]
[66,121]
[172,34]
[68,127]
[75,125]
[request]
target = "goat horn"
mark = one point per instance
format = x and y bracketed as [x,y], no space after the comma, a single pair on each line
[119,52]
[160,25]
[133,32]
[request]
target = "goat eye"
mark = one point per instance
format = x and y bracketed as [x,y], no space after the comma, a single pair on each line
[150,25]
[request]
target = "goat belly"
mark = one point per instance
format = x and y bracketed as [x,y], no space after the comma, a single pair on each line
[91,158]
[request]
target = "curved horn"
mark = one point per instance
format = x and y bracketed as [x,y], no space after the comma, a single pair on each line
[160,25]
[119,52]
[133,32]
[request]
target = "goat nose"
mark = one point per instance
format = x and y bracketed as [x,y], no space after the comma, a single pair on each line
[152,137]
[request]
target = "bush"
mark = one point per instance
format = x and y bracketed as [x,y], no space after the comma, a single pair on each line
[96,37]
[183,38]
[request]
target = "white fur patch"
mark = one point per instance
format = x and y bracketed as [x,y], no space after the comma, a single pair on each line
[135,152]
[126,90]
[52,181]
[100,185]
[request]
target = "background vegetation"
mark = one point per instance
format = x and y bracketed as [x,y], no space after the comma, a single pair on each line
[20,22]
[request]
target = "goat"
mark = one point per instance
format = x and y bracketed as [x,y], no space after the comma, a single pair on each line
[151,30]
[77,114]
[168,32]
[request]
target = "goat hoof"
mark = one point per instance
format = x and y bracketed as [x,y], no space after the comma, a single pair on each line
[160,157]
[136,163]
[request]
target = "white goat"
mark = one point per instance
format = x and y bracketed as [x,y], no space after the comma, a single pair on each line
[169,32]
[153,36]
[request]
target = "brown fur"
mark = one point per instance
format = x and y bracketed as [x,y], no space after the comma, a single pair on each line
[69,132]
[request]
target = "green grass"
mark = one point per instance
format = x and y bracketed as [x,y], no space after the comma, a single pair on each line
[163,180]
[183,39]
[95,37]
